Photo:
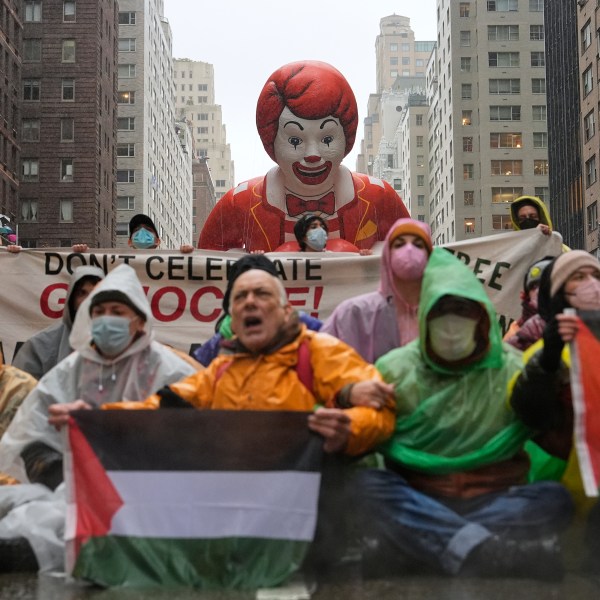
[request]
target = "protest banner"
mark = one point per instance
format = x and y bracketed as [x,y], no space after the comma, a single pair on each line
[186,290]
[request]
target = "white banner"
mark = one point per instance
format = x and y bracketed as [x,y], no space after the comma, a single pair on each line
[185,290]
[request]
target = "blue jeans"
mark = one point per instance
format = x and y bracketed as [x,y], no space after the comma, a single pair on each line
[442,532]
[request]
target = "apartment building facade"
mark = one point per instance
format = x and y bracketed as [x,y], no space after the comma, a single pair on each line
[68,123]
[11,49]
[154,148]
[195,100]
[493,139]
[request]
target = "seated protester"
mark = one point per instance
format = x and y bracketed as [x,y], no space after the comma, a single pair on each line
[542,394]
[143,235]
[46,349]
[115,358]
[453,495]
[377,322]
[14,387]
[209,350]
[529,327]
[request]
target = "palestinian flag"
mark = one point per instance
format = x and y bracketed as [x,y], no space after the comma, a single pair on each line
[208,499]
[585,390]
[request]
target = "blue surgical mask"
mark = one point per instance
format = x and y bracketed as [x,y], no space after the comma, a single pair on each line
[316,238]
[143,239]
[111,334]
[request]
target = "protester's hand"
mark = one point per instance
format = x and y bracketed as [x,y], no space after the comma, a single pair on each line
[365,252]
[334,425]
[14,248]
[374,394]
[568,325]
[544,229]
[257,251]
[186,249]
[80,247]
[59,413]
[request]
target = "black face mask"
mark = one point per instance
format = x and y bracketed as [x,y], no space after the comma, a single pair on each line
[529,223]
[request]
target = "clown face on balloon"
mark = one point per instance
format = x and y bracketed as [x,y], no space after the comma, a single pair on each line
[306,117]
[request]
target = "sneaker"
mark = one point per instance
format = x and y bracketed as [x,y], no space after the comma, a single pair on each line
[500,557]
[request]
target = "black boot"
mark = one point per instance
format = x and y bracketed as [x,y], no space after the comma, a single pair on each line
[16,555]
[501,557]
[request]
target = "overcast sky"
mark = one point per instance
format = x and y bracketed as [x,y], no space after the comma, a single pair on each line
[246,40]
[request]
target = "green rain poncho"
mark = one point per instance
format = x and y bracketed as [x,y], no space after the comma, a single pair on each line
[459,419]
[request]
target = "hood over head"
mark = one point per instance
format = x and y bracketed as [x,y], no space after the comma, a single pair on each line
[445,275]
[533,201]
[79,274]
[124,280]
[401,226]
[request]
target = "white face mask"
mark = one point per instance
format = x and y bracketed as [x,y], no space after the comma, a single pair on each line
[586,295]
[316,238]
[452,337]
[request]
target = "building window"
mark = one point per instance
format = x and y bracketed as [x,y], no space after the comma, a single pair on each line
[66,211]
[203,87]
[466,91]
[589,125]
[465,64]
[127,150]
[465,39]
[468,171]
[397,184]
[464,9]
[203,116]
[536,33]
[469,225]
[420,141]
[540,167]
[126,44]
[30,169]
[467,144]
[503,33]
[127,97]
[538,59]
[67,130]
[506,140]
[126,123]
[122,228]
[66,169]
[588,81]
[538,112]
[543,193]
[501,222]
[68,51]
[505,195]
[127,18]
[538,86]
[467,117]
[127,71]
[69,12]
[420,180]
[421,200]
[592,217]
[32,50]
[68,90]
[33,11]
[418,120]
[505,113]
[540,139]
[31,89]
[29,212]
[536,5]
[125,176]
[503,59]
[393,47]
[507,168]
[505,86]
[468,197]
[126,202]
[590,171]
[393,60]
[503,5]
[586,36]
[31,130]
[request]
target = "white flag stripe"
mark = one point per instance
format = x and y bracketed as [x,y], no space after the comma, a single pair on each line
[215,504]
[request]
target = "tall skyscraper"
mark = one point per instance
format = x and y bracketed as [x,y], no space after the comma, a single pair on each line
[196,101]
[68,123]
[154,151]
[493,139]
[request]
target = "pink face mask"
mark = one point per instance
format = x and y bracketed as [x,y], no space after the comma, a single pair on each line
[587,295]
[408,262]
